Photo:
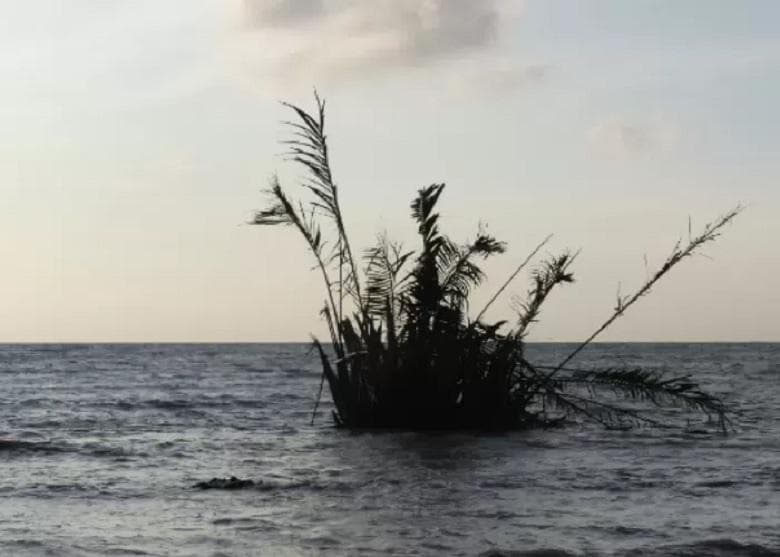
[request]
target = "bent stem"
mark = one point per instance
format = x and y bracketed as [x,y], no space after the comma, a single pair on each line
[710,232]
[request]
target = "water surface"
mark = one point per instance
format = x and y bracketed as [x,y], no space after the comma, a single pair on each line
[102,444]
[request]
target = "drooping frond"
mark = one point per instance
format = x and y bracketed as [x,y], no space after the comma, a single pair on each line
[610,416]
[282,211]
[275,213]
[637,385]
[279,211]
[647,385]
[463,274]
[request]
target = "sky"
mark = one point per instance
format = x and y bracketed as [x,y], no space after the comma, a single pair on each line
[136,139]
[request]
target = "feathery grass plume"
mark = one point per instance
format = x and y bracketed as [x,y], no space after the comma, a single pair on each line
[405,353]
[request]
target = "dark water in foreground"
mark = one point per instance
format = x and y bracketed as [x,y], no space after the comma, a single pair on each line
[110,439]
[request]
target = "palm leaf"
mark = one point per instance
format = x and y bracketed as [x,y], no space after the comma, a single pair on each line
[551,273]
[635,384]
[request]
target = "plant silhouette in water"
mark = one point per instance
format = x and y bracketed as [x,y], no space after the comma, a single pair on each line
[408,356]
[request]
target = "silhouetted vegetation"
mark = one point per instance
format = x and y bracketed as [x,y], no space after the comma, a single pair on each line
[406,354]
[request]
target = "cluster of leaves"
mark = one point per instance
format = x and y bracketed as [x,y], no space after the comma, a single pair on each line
[407,355]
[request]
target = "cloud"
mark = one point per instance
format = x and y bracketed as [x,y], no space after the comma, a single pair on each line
[496,77]
[315,41]
[268,13]
[622,138]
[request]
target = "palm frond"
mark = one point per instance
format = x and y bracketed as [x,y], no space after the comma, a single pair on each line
[551,273]
[423,290]
[422,211]
[647,385]
[463,274]
[309,148]
[282,211]
[610,416]
[384,262]
[512,277]
[635,385]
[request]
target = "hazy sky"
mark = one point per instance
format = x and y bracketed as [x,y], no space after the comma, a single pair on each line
[135,138]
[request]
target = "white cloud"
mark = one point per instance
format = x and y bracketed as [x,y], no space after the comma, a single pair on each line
[621,138]
[315,41]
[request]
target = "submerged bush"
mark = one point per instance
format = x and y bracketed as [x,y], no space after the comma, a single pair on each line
[406,354]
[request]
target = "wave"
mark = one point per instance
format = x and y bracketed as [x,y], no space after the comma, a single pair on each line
[528,553]
[17,446]
[195,403]
[233,483]
[20,447]
[725,547]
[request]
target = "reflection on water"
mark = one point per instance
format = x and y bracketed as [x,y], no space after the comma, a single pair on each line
[100,445]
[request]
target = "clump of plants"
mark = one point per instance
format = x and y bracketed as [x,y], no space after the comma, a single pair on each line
[407,354]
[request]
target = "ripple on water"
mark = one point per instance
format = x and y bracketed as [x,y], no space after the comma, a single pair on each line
[103,444]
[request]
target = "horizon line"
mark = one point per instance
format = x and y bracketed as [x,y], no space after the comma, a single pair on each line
[196,342]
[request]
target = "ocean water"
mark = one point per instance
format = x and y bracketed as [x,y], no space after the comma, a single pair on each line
[101,445]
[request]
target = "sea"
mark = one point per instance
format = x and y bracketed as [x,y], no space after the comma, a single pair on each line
[101,446]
